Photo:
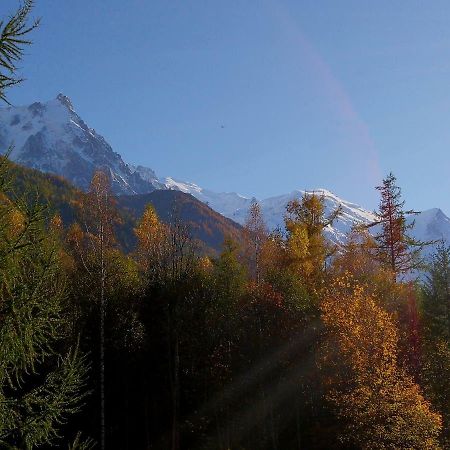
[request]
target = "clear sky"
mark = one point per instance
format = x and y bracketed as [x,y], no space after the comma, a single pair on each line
[258,97]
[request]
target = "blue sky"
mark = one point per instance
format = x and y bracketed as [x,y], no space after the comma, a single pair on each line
[258,97]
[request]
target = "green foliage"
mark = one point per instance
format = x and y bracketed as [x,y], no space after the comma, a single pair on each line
[436,339]
[436,301]
[13,39]
[229,273]
[81,444]
[35,399]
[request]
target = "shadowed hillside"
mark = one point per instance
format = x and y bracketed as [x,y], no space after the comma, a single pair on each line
[204,224]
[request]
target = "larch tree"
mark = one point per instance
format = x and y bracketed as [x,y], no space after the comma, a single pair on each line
[13,40]
[93,247]
[380,404]
[305,222]
[152,245]
[40,388]
[255,236]
[395,248]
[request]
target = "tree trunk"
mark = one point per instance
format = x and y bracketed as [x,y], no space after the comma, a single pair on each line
[102,351]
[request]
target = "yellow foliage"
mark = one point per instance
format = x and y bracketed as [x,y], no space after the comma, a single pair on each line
[151,235]
[56,224]
[305,222]
[16,223]
[384,408]
[205,264]
[149,226]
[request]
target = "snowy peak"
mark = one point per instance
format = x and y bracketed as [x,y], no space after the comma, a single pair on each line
[52,137]
[430,225]
[183,186]
[146,174]
[65,101]
[235,207]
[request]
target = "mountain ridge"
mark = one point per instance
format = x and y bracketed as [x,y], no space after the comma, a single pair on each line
[51,137]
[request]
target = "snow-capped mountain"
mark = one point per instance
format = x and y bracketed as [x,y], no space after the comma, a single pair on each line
[235,207]
[52,137]
[430,225]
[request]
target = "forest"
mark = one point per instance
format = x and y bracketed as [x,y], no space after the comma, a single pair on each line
[282,340]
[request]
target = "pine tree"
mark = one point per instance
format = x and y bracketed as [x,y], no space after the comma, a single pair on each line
[436,304]
[436,326]
[395,248]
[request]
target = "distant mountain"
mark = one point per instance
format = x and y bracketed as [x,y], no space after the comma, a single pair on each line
[52,137]
[235,207]
[430,225]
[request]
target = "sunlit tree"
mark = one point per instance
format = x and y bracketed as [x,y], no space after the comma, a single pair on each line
[305,223]
[379,403]
[394,246]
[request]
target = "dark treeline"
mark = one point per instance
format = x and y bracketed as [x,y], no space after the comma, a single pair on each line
[284,340]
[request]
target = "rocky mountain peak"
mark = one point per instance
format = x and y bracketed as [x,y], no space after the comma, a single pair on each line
[64,100]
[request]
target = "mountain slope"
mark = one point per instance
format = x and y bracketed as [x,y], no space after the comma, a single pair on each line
[206,226]
[52,137]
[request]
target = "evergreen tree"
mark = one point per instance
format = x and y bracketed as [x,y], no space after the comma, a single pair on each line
[436,325]
[436,303]
[229,273]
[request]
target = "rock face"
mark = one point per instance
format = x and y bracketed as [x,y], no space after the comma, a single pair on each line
[52,137]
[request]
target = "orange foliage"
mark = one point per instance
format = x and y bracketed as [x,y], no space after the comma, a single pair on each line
[384,408]
[264,294]
[152,239]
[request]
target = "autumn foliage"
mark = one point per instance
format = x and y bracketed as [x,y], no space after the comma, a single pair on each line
[283,340]
[381,405]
